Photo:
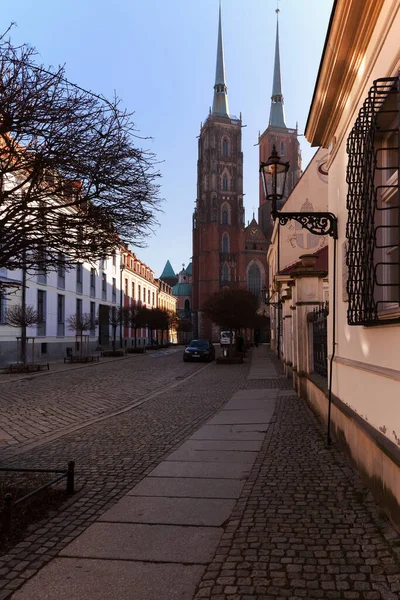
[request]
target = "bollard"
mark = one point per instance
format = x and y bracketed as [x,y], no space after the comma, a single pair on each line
[71,477]
[7,514]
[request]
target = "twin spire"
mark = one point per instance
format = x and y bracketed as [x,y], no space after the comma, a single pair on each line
[277,114]
[220,104]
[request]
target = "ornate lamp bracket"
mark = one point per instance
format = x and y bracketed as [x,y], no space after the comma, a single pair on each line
[318,223]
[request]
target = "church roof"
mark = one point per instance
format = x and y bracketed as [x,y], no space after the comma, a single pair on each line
[189,269]
[254,231]
[220,103]
[182,289]
[277,114]
[168,272]
[320,265]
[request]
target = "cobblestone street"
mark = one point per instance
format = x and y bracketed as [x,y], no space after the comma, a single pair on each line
[113,454]
[303,526]
[35,408]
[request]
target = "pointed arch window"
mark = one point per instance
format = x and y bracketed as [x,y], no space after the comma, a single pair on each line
[225,186]
[254,280]
[225,273]
[225,243]
[282,152]
[225,148]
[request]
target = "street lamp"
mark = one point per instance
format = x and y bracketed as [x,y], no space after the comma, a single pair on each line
[273,173]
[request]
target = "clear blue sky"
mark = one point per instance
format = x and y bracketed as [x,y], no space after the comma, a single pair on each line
[160,56]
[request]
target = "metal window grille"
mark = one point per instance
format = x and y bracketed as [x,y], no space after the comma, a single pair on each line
[320,341]
[373,226]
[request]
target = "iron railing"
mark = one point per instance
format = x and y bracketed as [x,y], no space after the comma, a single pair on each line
[320,341]
[373,225]
[6,513]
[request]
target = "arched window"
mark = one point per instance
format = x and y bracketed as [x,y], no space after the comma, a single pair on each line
[225,242]
[225,147]
[225,183]
[225,216]
[254,280]
[282,153]
[225,273]
[187,304]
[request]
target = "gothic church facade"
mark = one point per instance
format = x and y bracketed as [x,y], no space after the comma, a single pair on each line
[225,252]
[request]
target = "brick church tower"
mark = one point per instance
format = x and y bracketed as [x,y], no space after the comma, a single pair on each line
[285,140]
[218,219]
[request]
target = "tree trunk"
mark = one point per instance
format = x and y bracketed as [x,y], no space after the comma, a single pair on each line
[24,350]
[114,337]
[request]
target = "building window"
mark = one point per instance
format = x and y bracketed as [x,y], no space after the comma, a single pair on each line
[225,148]
[154,299]
[133,290]
[60,315]
[114,290]
[373,226]
[2,307]
[93,319]
[104,286]
[148,296]
[225,273]
[187,305]
[61,273]
[126,286]
[282,152]
[102,264]
[92,282]
[79,309]
[225,243]
[139,291]
[225,183]
[254,280]
[144,294]
[225,215]
[79,278]
[41,313]
[114,259]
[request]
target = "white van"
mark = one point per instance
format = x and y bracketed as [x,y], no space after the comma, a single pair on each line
[225,338]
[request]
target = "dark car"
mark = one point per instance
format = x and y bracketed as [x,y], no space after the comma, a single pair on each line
[199,350]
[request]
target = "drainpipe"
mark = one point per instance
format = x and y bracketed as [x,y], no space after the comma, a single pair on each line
[121,298]
[329,439]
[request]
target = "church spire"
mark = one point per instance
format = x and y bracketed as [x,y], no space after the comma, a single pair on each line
[277,114]
[220,104]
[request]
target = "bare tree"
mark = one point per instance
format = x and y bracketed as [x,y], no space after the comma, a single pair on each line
[23,316]
[81,323]
[233,310]
[117,316]
[73,183]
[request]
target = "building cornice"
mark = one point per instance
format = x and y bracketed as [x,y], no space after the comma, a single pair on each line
[349,34]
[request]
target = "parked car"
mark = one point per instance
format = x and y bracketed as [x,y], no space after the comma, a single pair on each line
[199,350]
[225,338]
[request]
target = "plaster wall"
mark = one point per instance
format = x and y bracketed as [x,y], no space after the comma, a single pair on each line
[371,394]
[310,194]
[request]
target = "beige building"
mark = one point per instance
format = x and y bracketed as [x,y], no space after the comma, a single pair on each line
[355,116]
[168,302]
[288,243]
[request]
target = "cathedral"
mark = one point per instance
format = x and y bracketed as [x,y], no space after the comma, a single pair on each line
[226,253]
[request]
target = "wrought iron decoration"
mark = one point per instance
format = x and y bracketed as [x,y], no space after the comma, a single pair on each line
[318,223]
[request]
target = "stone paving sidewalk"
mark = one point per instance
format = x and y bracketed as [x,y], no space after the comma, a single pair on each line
[253,506]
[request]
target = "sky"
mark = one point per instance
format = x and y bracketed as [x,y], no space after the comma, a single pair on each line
[159,57]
